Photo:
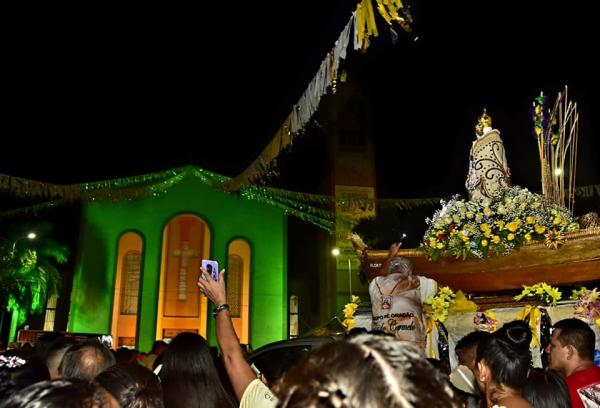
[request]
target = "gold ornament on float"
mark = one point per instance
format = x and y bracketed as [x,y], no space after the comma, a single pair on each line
[554,238]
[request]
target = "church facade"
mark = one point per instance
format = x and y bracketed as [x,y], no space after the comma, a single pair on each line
[138,262]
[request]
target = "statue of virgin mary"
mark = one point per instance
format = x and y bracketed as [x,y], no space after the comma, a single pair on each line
[489,174]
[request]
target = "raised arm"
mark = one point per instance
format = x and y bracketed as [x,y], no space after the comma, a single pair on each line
[239,371]
[393,251]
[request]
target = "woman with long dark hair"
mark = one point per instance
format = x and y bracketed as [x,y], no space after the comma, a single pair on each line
[189,377]
[503,363]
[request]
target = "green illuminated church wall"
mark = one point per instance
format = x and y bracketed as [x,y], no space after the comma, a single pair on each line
[227,216]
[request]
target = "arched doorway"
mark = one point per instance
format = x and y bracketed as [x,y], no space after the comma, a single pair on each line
[186,241]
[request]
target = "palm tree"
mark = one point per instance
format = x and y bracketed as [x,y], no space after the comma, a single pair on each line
[28,272]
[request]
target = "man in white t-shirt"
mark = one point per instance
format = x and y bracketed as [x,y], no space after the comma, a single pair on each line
[397,298]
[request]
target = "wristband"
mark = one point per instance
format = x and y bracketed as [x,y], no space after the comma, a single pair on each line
[220,308]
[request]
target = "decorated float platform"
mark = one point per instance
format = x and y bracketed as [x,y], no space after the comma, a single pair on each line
[577,261]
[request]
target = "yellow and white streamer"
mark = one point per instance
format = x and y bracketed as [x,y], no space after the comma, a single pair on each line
[535,315]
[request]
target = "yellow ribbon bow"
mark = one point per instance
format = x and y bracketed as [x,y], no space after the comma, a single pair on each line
[535,316]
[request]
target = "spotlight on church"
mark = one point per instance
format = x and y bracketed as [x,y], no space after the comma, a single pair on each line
[335,251]
[558,171]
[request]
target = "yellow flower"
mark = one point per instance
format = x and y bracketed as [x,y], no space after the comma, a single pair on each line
[484,227]
[540,229]
[349,324]
[510,237]
[439,245]
[530,219]
[484,243]
[500,224]
[355,299]
[513,226]
[496,239]
[487,212]
[528,237]
[557,220]
[349,309]
[487,234]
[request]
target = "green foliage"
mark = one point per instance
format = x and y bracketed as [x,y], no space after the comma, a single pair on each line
[28,272]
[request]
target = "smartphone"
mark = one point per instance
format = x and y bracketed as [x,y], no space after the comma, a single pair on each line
[212,267]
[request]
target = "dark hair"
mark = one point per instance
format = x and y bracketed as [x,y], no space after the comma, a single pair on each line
[546,389]
[188,375]
[85,360]
[28,370]
[45,343]
[576,333]
[365,371]
[133,385]
[472,339]
[56,394]
[56,353]
[158,345]
[507,354]
[124,355]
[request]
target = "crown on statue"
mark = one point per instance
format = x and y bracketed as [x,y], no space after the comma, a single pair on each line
[484,121]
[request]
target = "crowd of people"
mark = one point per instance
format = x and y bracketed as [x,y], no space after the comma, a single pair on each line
[360,370]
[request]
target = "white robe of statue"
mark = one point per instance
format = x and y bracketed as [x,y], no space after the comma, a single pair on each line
[489,174]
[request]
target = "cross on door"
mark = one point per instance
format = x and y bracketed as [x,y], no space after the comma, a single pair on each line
[185,254]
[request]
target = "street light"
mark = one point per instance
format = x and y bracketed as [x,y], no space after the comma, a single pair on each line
[30,236]
[336,252]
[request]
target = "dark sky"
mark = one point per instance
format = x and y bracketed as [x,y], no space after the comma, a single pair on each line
[85,90]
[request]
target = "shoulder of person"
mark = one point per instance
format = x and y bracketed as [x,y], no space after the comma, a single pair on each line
[257,394]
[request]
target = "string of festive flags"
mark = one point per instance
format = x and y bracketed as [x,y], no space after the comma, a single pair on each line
[362,25]
[315,208]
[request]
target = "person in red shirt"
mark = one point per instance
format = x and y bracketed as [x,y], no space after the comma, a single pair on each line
[571,353]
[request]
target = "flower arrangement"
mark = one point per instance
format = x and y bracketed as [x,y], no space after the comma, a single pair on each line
[587,306]
[437,306]
[349,310]
[494,226]
[542,291]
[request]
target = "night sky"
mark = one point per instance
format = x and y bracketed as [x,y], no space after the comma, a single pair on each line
[85,90]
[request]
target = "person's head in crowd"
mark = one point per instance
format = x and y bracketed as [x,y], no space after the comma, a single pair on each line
[86,360]
[19,370]
[355,331]
[56,353]
[60,394]
[159,347]
[132,385]
[124,355]
[466,348]
[45,343]
[571,346]
[188,374]
[546,389]
[365,371]
[503,362]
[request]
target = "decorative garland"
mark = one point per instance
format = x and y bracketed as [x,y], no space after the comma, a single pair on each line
[315,208]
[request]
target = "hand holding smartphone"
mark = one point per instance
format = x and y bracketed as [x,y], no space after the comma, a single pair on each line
[212,267]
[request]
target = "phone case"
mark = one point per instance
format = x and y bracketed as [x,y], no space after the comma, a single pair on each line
[212,267]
